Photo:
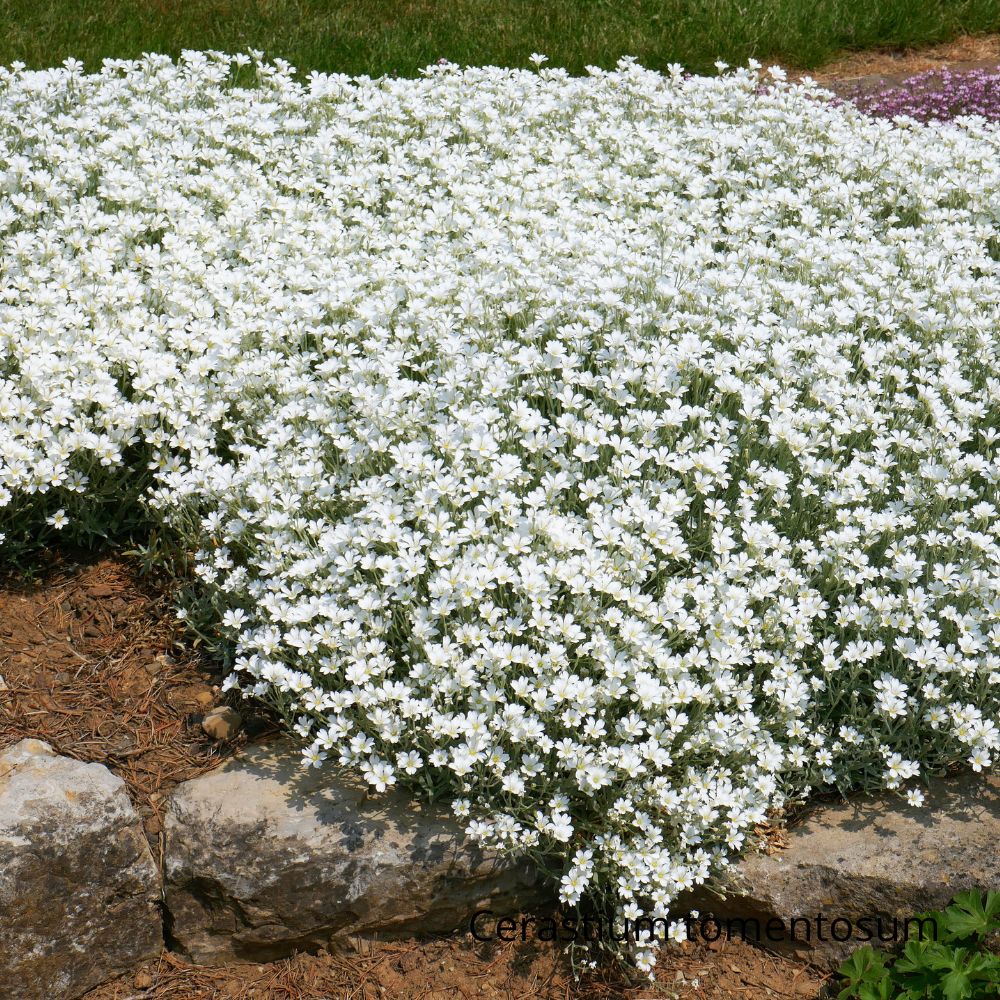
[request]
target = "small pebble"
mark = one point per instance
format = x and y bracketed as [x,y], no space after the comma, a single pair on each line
[157,663]
[204,699]
[222,723]
[143,980]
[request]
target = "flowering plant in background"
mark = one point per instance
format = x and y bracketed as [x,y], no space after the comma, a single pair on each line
[615,455]
[936,95]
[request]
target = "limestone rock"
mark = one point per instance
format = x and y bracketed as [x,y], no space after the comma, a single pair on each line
[873,858]
[79,891]
[264,858]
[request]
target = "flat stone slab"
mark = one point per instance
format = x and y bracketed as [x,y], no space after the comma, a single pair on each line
[873,859]
[264,858]
[79,890]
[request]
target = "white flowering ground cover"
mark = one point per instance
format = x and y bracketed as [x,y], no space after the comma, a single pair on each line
[616,455]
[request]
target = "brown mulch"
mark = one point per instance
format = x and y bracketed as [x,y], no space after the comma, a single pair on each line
[95,664]
[966,52]
[452,969]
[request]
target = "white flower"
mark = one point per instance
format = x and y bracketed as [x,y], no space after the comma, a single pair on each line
[233,618]
[313,756]
[379,773]
[58,520]
[410,761]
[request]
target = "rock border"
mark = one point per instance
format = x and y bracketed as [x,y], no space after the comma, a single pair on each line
[260,859]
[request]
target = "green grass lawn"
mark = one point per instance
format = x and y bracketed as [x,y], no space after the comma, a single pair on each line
[381,36]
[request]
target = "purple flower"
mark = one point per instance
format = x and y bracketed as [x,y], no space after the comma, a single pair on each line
[935,95]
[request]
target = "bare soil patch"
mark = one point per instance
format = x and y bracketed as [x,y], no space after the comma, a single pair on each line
[452,969]
[895,65]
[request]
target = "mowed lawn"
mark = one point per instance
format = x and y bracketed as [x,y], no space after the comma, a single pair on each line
[376,37]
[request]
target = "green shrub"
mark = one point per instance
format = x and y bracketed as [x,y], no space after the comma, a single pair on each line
[954,966]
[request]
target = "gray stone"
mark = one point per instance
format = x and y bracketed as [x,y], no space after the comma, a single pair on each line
[873,857]
[79,891]
[264,858]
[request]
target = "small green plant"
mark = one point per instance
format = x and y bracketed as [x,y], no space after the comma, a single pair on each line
[952,964]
